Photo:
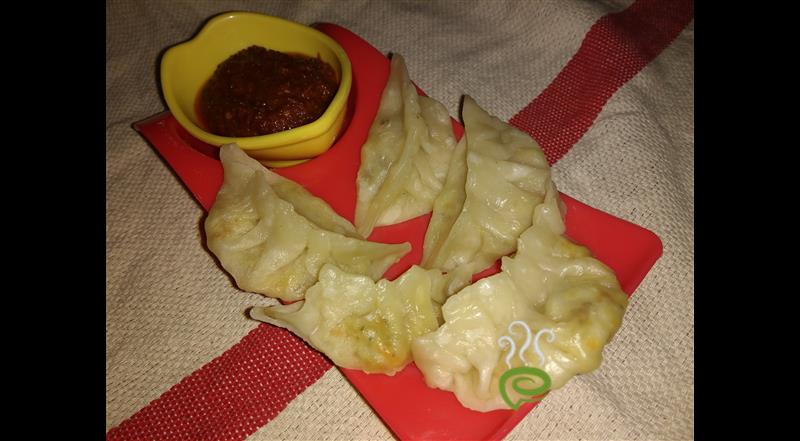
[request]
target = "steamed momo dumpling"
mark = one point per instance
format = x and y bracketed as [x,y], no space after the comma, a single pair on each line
[405,157]
[488,199]
[447,206]
[273,236]
[360,324]
[309,206]
[551,284]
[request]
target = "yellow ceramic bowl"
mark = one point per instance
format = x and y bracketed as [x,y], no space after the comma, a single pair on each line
[186,67]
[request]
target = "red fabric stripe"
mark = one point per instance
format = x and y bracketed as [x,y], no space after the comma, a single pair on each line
[233,395]
[241,390]
[615,49]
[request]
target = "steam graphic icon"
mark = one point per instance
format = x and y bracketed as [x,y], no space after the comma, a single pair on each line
[522,380]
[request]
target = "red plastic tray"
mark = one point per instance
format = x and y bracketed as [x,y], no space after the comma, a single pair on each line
[405,404]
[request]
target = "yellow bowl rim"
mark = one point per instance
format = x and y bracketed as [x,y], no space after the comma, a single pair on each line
[279,139]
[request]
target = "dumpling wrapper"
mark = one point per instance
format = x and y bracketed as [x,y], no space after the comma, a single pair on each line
[405,157]
[361,324]
[550,283]
[273,236]
[491,190]
[448,204]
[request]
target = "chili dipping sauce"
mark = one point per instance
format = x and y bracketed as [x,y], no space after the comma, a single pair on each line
[258,91]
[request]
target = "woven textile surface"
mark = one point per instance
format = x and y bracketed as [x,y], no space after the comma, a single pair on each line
[172,311]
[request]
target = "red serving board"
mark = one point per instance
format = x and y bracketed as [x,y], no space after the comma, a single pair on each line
[409,408]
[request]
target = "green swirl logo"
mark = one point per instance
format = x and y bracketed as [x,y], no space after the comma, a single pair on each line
[524,384]
[519,379]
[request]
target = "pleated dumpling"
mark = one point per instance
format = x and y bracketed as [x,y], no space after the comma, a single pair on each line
[273,236]
[553,288]
[447,206]
[488,199]
[405,157]
[360,324]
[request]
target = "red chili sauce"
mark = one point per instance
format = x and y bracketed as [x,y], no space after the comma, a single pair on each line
[258,91]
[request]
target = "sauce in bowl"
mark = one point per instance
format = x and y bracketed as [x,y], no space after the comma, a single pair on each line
[258,91]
